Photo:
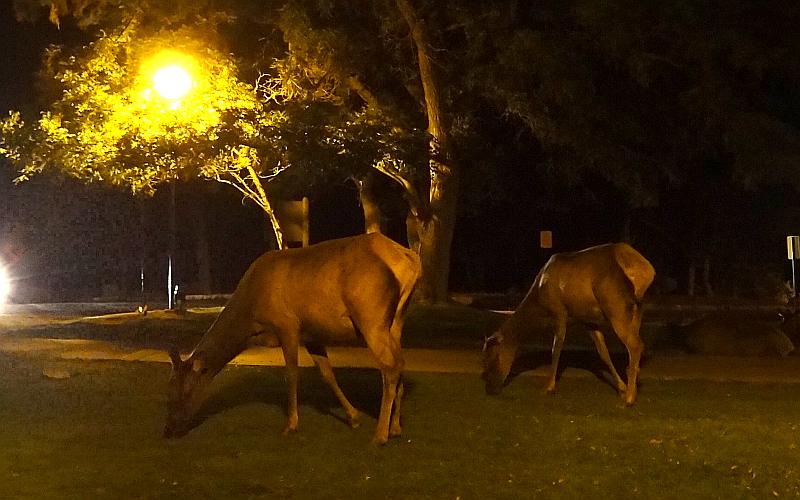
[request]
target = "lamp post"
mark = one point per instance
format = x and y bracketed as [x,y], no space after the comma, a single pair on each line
[172,82]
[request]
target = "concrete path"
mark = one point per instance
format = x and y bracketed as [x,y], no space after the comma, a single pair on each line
[672,367]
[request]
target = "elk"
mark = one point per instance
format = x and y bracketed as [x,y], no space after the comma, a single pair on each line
[331,292]
[597,286]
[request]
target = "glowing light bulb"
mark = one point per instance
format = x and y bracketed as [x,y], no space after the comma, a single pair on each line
[172,82]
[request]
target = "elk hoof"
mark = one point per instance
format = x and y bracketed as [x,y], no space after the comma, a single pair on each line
[354,421]
[289,429]
[379,441]
[395,431]
[628,399]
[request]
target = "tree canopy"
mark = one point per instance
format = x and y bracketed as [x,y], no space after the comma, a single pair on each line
[643,103]
[110,125]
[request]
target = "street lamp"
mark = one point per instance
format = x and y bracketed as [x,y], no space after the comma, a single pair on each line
[172,82]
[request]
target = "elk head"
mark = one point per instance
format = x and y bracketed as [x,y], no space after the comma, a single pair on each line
[185,392]
[498,357]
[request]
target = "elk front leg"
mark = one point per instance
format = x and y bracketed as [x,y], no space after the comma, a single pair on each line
[290,359]
[320,356]
[558,344]
[602,349]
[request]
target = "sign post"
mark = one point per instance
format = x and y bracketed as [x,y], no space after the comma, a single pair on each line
[293,217]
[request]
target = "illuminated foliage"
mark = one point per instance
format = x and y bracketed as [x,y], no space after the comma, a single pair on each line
[110,125]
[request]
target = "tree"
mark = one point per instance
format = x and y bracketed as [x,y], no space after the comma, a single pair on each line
[110,125]
[727,119]
[332,50]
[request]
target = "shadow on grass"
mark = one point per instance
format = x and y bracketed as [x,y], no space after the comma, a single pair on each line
[582,359]
[362,386]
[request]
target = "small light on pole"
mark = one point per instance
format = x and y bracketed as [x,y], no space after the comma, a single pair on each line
[793,252]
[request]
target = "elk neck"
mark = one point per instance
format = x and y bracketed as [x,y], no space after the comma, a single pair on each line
[226,338]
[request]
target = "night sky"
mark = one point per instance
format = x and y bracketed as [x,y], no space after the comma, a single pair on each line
[23,43]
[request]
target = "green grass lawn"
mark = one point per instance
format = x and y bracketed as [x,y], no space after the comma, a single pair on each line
[97,435]
[438,326]
[427,326]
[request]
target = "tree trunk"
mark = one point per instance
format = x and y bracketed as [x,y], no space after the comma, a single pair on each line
[259,195]
[436,232]
[202,253]
[435,237]
[373,217]
[707,276]
[412,231]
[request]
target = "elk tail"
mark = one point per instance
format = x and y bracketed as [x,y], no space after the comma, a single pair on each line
[638,270]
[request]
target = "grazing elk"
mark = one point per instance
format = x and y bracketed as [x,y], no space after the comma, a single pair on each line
[326,293]
[599,285]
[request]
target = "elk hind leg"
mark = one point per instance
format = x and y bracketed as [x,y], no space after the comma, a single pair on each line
[627,328]
[391,388]
[386,350]
[319,354]
[395,428]
[602,349]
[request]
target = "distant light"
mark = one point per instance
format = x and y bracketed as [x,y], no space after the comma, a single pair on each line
[5,286]
[172,82]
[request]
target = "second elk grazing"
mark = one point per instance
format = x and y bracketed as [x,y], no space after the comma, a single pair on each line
[601,285]
[331,292]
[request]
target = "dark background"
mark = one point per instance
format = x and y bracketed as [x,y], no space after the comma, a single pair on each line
[65,241]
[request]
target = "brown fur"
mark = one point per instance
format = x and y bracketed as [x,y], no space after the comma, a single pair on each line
[327,293]
[601,285]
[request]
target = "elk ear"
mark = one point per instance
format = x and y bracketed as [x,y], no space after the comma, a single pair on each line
[175,357]
[495,339]
[199,363]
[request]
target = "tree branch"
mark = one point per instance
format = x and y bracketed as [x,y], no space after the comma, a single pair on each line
[417,205]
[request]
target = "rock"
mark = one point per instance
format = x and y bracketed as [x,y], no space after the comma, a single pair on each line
[726,336]
[55,373]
